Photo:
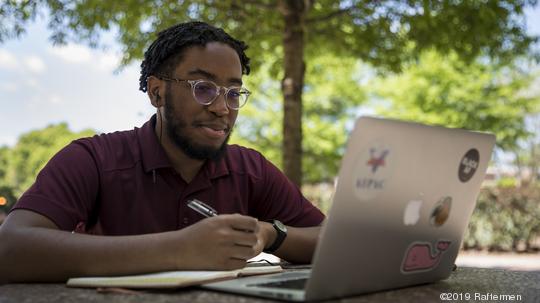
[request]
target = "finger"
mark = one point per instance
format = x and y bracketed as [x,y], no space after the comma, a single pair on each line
[244,223]
[243,238]
[242,252]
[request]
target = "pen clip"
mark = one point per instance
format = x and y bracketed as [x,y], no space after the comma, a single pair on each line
[202,208]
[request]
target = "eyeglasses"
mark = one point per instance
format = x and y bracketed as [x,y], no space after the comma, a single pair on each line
[205,92]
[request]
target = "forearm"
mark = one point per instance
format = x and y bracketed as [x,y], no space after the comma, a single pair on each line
[33,254]
[33,249]
[299,246]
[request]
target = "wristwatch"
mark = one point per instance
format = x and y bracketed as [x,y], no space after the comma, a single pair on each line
[281,230]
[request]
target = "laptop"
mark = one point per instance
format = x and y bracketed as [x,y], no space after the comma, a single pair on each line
[403,199]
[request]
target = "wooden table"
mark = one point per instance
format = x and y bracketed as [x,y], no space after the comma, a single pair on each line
[477,284]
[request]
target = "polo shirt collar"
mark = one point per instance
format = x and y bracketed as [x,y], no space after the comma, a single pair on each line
[154,156]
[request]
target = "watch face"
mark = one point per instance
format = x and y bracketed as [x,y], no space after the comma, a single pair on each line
[280,225]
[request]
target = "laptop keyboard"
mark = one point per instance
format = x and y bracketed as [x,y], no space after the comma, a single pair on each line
[288,284]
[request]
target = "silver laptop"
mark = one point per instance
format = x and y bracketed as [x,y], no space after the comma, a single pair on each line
[403,200]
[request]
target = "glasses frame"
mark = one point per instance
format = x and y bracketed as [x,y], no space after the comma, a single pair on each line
[225,90]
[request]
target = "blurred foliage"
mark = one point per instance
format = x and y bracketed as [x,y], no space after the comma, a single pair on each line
[331,96]
[6,191]
[527,156]
[507,182]
[20,164]
[384,33]
[447,91]
[438,89]
[505,219]
[320,195]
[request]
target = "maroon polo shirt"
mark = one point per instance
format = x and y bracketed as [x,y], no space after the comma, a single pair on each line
[122,183]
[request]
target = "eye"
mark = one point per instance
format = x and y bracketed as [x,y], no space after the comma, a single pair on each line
[205,87]
[234,93]
[205,92]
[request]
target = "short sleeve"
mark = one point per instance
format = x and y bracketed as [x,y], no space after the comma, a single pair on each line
[280,199]
[65,190]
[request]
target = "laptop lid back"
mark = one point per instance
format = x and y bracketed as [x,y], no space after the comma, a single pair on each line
[403,200]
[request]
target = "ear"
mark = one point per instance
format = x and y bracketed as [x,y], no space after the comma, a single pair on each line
[155,89]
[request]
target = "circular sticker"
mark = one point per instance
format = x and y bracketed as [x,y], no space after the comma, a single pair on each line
[441,211]
[468,165]
[372,171]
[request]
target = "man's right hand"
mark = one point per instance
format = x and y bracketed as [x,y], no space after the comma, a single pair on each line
[223,242]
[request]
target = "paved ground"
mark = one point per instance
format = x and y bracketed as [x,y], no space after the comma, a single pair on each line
[513,261]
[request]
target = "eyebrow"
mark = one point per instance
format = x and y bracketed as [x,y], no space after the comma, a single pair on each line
[213,77]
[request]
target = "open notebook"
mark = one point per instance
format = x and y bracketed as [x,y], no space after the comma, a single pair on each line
[171,279]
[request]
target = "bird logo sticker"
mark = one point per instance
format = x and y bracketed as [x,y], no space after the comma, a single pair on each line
[372,171]
[376,161]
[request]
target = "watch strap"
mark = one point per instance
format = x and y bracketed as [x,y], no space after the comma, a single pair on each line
[280,237]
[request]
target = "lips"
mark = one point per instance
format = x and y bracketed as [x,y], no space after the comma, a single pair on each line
[214,130]
[214,126]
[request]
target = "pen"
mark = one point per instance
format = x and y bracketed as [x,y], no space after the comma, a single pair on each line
[202,208]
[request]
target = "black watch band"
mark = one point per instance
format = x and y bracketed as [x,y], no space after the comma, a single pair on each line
[281,230]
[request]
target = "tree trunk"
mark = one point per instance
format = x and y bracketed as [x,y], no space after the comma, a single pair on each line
[293,12]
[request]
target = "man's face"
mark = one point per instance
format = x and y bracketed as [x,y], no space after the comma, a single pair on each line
[202,131]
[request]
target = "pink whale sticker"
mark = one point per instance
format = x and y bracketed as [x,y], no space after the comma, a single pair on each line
[420,257]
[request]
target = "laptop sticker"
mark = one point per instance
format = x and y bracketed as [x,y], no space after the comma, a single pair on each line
[373,169]
[411,215]
[441,211]
[419,257]
[376,160]
[468,165]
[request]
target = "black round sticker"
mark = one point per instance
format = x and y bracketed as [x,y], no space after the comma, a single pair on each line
[468,165]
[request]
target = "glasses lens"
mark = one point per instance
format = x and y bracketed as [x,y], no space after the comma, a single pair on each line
[234,98]
[205,92]
[237,97]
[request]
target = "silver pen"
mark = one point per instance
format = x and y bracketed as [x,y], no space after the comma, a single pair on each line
[202,208]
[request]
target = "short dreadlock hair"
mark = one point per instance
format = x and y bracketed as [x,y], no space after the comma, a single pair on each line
[165,53]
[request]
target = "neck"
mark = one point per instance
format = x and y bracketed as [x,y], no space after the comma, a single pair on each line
[186,166]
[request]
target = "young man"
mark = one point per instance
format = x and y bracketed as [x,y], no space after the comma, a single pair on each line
[116,204]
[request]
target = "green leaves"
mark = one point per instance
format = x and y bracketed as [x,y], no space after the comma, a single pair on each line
[447,91]
[20,165]
[455,91]
[13,17]
[504,219]
[331,96]
[378,32]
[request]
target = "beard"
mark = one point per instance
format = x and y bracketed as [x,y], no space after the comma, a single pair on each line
[176,130]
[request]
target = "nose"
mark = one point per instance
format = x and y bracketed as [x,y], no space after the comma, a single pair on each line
[219,106]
